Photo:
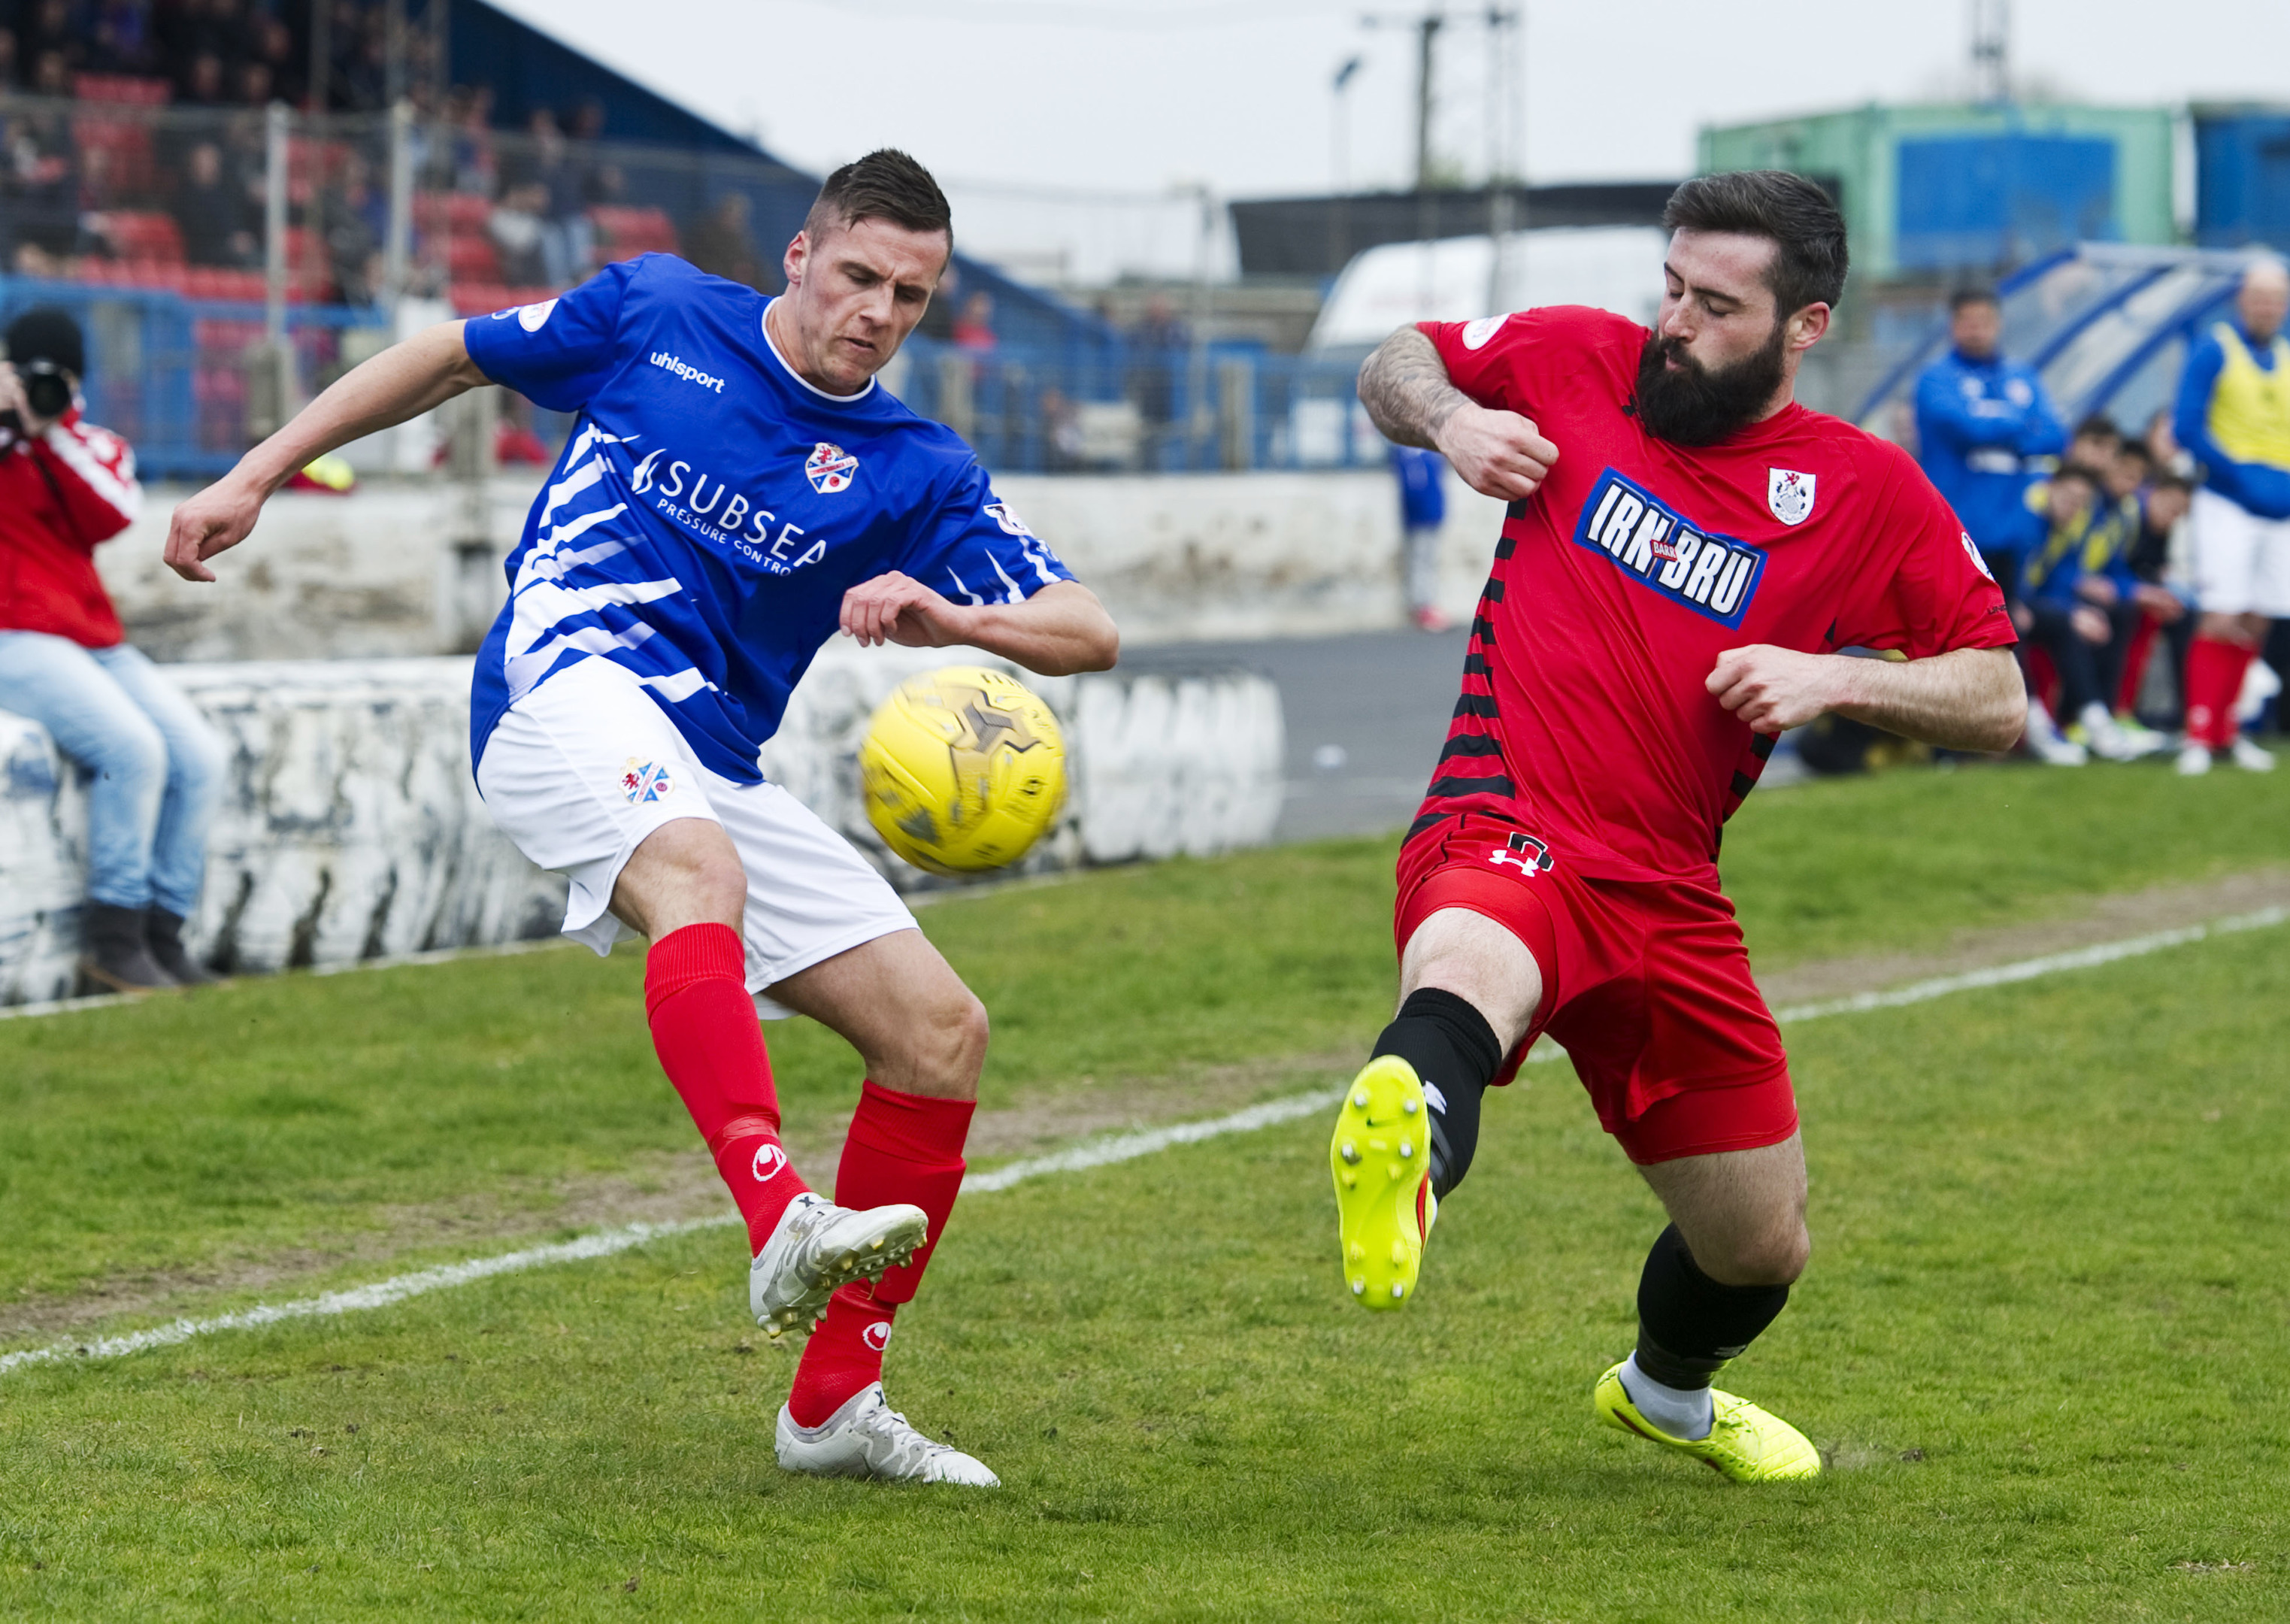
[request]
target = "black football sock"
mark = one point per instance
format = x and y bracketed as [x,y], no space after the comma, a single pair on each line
[1689,1325]
[1456,1055]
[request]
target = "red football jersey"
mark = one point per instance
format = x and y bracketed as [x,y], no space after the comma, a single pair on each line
[1618,584]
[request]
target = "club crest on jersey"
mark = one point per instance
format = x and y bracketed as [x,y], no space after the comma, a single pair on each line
[1652,543]
[1524,853]
[829,468]
[644,781]
[1790,494]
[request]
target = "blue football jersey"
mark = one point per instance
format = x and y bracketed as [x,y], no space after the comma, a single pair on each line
[711,508]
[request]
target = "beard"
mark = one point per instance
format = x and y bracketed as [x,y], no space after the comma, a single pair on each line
[1691,404]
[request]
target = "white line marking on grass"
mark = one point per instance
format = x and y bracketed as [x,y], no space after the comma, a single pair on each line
[1129,1147]
[1092,1153]
[379,1295]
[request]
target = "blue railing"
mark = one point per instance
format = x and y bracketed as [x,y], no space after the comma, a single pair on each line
[176,377]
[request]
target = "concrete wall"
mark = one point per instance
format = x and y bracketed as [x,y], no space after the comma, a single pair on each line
[350,828]
[414,567]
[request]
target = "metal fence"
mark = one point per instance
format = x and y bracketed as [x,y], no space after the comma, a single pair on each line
[229,262]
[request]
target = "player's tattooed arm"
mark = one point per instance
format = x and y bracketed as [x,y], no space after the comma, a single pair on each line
[1964,699]
[1409,397]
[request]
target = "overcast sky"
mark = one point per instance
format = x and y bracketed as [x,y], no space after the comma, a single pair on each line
[1133,96]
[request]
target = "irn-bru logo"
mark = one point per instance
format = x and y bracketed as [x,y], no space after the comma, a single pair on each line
[1714,576]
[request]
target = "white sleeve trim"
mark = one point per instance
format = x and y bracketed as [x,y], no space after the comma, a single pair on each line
[124,496]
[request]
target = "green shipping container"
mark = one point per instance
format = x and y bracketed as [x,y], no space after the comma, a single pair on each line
[1928,191]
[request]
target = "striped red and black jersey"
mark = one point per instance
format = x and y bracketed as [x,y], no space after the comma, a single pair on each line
[1584,715]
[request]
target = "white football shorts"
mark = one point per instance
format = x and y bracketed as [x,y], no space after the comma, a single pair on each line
[2239,562]
[585,766]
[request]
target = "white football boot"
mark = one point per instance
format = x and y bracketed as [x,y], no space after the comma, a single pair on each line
[2250,756]
[817,1248]
[867,1438]
[2194,760]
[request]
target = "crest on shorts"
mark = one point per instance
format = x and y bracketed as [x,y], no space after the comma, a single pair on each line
[643,782]
[829,468]
[1523,851]
[1790,494]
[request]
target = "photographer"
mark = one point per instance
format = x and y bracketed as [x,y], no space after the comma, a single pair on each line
[154,764]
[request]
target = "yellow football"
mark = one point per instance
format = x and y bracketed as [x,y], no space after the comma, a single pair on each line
[962,770]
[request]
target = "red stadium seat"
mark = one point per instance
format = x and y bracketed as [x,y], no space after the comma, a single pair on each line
[472,259]
[125,90]
[139,234]
[625,232]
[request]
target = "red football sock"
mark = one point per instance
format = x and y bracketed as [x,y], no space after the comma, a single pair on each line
[704,1028]
[2215,668]
[903,1148]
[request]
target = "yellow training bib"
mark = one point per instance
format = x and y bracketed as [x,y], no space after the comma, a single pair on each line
[2250,407]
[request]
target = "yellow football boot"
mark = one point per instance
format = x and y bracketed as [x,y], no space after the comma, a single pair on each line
[1746,1444]
[1381,1158]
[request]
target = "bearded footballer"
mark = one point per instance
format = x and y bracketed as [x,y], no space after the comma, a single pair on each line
[1685,555]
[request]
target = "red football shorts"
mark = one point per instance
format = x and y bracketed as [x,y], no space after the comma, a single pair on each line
[1647,985]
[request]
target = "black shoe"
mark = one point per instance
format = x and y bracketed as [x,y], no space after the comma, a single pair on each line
[117,957]
[163,932]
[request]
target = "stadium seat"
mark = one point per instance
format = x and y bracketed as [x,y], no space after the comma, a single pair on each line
[625,232]
[454,212]
[124,90]
[472,259]
[140,234]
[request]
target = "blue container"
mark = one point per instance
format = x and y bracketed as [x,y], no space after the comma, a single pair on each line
[2242,176]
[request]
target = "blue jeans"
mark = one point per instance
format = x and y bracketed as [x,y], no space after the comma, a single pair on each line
[155,765]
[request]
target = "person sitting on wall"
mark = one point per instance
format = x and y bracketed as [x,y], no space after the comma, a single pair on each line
[2080,605]
[154,766]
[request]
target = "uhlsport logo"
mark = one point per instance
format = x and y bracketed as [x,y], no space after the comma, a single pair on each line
[829,468]
[644,781]
[1714,576]
[685,370]
[1529,855]
[1790,494]
[770,1159]
[877,1336]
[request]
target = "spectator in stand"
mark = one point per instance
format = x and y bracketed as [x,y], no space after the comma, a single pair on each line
[48,29]
[121,37]
[2233,415]
[290,68]
[2076,589]
[155,765]
[210,210]
[476,166]
[202,81]
[51,73]
[568,243]
[253,85]
[8,74]
[2157,562]
[721,245]
[515,226]
[1157,346]
[352,218]
[973,329]
[1985,431]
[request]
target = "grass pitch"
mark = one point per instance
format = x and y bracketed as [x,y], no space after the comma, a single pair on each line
[2041,1338]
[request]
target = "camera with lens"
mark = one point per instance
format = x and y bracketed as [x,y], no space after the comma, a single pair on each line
[47,391]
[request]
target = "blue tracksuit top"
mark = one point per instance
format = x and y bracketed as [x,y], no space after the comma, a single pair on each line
[1978,425]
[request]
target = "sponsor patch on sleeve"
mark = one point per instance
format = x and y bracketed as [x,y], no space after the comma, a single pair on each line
[530,316]
[1714,576]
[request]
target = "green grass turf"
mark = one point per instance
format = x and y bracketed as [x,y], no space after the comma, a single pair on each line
[2042,1338]
[289,1122]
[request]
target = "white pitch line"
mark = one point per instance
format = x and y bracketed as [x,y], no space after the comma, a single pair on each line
[1092,1153]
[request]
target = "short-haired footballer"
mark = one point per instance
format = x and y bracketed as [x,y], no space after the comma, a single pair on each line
[736,487]
[1686,552]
